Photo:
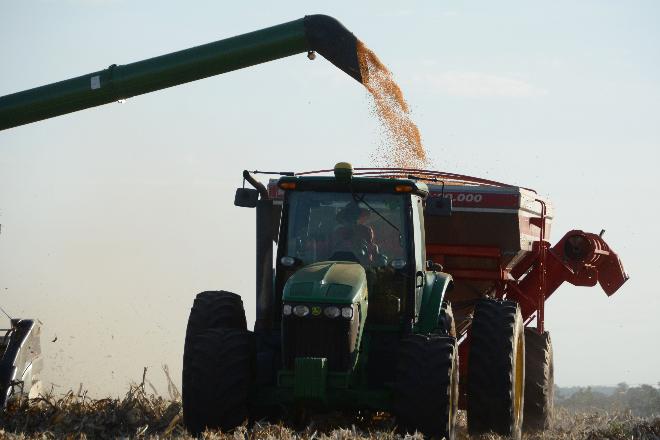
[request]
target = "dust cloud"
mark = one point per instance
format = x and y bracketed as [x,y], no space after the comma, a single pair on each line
[402,144]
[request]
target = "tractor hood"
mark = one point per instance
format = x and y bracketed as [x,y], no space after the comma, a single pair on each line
[337,282]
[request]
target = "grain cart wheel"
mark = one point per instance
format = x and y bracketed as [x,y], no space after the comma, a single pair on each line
[426,387]
[496,369]
[215,393]
[539,380]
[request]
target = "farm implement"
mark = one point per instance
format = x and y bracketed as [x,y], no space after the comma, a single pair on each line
[409,291]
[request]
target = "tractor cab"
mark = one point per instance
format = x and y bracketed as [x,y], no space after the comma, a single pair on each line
[336,231]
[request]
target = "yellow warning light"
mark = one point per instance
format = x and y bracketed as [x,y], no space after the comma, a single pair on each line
[343,171]
[403,188]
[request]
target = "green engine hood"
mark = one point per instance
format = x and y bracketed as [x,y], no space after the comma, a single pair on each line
[338,282]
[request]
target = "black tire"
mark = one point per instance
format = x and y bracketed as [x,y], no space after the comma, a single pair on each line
[496,369]
[216,391]
[447,323]
[426,387]
[539,380]
[214,309]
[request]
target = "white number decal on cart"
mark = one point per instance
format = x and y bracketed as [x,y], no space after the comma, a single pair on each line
[469,198]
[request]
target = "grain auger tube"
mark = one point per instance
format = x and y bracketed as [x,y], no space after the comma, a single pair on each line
[319,33]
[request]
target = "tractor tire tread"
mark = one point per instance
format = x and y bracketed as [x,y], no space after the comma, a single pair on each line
[539,380]
[220,371]
[490,369]
[214,309]
[426,370]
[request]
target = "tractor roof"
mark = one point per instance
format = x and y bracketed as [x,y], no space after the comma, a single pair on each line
[354,183]
[426,183]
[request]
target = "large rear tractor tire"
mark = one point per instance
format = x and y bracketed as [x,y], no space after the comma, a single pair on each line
[426,387]
[220,374]
[496,369]
[539,380]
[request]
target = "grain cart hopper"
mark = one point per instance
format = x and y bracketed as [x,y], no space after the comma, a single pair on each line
[20,360]
[382,283]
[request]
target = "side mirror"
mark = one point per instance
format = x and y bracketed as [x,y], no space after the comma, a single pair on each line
[246,197]
[438,206]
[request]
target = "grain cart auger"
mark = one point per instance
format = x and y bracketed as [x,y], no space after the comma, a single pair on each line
[20,360]
[318,33]
[381,283]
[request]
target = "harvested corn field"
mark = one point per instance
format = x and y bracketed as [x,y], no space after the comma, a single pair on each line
[143,415]
[395,302]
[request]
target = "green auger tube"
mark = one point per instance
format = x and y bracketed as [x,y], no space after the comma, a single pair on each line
[319,33]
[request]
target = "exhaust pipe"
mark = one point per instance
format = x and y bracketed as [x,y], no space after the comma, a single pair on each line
[319,33]
[264,255]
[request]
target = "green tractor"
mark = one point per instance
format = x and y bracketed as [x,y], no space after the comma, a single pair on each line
[353,316]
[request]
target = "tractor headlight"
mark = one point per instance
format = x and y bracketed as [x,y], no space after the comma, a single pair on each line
[286,309]
[347,312]
[301,311]
[331,312]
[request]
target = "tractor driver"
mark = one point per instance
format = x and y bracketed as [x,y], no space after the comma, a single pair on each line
[352,239]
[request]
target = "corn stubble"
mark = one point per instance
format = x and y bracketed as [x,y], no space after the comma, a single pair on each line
[149,416]
[401,146]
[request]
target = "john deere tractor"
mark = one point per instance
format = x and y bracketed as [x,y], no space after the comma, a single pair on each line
[352,317]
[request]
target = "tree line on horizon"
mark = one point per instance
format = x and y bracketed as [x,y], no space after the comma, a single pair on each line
[640,401]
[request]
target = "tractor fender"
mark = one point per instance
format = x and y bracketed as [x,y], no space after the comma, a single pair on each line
[436,286]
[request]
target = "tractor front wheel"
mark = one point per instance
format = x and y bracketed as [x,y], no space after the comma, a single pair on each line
[216,309]
[496,369]
[220,374]
[213,309]
[539,380]
[426,388]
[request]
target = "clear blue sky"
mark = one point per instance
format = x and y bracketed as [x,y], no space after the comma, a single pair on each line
[113,218]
